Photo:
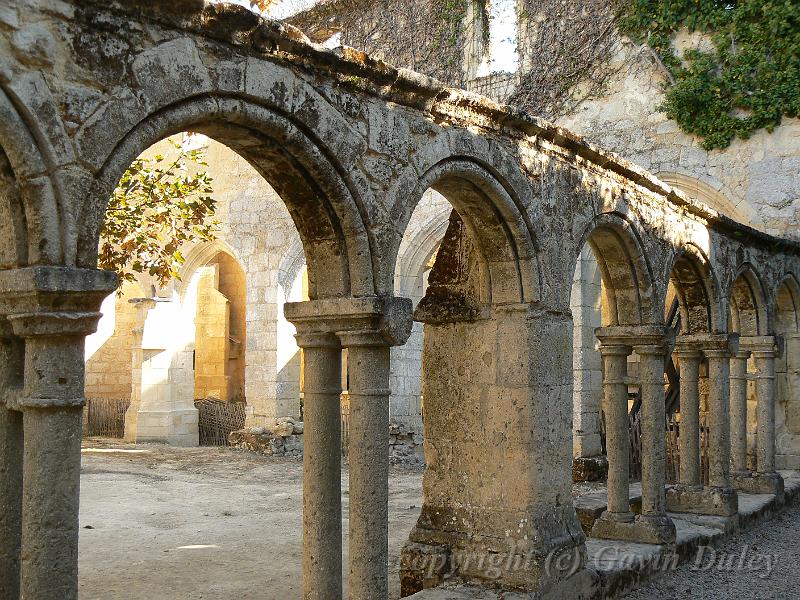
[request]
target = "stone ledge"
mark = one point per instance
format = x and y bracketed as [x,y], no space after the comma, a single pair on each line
[704,501]
[633,564]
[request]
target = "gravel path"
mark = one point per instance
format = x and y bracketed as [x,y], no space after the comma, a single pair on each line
[760,564]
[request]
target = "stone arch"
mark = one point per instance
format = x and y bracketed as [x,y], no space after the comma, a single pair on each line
[748,303]
[418,246]
[199,256]
[627,277]
[322,204]
[697,290]
[787,305]
[291,265]
[710,195]
[27,196]
[491,212]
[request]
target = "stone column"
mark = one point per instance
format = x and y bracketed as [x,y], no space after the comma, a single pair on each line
[615,408]
[738,413]
[52,421]
[654,519]
[719,498]
[652,526]
[53,309]
[690,358]
[722,498]
[367,328]
[718,415]
[322,468]
[368,458]
[765,480]
[764,351]
[11,440]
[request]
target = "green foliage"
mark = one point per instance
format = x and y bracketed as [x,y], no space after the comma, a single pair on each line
[749,77]
[159,205]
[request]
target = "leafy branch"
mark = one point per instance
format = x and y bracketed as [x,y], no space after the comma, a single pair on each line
[158,206]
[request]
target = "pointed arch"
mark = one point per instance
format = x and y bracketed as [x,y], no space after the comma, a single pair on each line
[787,305]
[697,289]
[322,205]
[625,272]
[748,303]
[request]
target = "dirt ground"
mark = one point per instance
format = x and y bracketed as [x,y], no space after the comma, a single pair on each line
[161,523]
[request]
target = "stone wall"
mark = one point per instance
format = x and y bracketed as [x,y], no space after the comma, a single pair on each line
[753,181]
[108,352]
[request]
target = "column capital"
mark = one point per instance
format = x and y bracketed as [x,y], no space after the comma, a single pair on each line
[764,346]
[688,349]
[374,320]
[635,336]
[54,324]
[45,289]
[719,345]
[311,339]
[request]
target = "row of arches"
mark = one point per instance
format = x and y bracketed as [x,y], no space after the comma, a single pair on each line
[351,168]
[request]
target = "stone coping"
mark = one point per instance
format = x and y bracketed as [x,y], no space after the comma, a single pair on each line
[353,68]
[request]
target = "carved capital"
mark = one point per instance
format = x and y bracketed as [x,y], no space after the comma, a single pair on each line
[54,289]
[364,321]
[765,346]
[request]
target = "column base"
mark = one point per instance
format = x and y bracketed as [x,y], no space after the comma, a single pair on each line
[759,483]
[555,575]
[589,468]
[723,502]
[643,529]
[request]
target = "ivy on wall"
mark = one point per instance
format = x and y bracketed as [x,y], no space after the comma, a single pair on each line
[746,79]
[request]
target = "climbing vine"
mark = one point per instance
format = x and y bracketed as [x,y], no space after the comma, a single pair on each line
[424,35]
[742,76]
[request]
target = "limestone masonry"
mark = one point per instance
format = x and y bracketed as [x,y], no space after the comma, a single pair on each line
[536,253]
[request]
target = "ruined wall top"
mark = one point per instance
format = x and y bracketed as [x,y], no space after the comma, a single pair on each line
[259,36]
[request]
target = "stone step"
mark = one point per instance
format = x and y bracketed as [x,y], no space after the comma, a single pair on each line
[621,567]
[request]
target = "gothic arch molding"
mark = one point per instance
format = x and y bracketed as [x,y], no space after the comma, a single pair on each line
[626,274]
[320,201]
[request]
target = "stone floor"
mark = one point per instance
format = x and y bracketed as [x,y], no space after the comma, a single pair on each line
[170,524]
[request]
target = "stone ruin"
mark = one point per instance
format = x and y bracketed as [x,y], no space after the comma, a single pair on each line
[351,144]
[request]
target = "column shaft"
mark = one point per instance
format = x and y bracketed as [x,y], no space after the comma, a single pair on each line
[718,418]
[738,411]
[52,421]
[651,365]
[368,455]
[11,440]
[690,418]
[765,390]
[322,469]
[615,389]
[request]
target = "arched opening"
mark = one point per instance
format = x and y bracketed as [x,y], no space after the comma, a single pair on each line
[218,332]
[315,191]
[747,316]
[415,259]
[691,311]
[787,375]
[493,362]
[609,288]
